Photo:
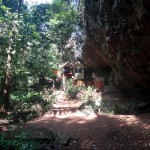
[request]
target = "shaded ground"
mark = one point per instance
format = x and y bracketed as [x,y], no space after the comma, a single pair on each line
[93,131]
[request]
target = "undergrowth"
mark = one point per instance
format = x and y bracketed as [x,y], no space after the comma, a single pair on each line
[28,105]
[95,102]
[90,100]
[17,143]
[72,90]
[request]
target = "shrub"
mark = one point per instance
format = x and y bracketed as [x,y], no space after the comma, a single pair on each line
[71,89]
[29,105]
[91,100]
[17,143]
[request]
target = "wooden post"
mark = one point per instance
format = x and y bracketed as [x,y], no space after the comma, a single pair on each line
[99,84]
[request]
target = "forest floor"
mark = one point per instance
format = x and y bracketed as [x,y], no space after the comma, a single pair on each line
[94,131]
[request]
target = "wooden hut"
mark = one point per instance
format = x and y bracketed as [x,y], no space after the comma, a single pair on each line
[78,71]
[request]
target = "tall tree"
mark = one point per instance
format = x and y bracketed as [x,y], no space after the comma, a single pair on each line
[8,78]
[62,23]
[10,21]
[32,40]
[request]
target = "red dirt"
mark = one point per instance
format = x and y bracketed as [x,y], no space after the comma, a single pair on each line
[94,131]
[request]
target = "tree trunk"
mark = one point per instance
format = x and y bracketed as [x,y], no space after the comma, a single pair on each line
[7,84]
[8,79]
[19,5]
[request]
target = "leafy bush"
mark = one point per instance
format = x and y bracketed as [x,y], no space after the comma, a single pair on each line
[88,94]
[28,105]
[71,89]
[17,143]
[91,100]
[94,102]
[26,100]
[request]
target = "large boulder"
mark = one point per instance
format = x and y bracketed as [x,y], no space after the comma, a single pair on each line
[117,34]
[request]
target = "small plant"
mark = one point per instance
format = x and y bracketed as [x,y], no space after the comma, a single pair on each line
[105,107]
[91,100]
[88,94]
[71,89]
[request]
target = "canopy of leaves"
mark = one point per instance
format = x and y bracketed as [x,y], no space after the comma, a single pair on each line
[41,33]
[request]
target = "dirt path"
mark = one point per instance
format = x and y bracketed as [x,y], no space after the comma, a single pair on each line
[94,131]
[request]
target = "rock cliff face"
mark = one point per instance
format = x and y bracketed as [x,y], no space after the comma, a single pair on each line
[117,34]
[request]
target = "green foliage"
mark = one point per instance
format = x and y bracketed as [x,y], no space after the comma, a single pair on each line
[28,99]
[107,107]
[39,40]
[62,24]
[17,143]
[91,100]
[88,94]
[29,105]
[71,89]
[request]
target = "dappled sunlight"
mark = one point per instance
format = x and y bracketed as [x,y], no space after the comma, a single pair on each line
[93,130]
[69,118]
[97,130]
[133,120]
[80,118]
[69,74]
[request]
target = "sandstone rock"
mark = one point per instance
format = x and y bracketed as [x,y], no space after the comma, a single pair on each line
[118,35]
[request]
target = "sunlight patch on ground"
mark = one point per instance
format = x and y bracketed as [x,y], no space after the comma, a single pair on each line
[77,118]
[133,120]
[64,115]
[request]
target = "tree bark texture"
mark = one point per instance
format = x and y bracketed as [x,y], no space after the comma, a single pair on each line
[8,79]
